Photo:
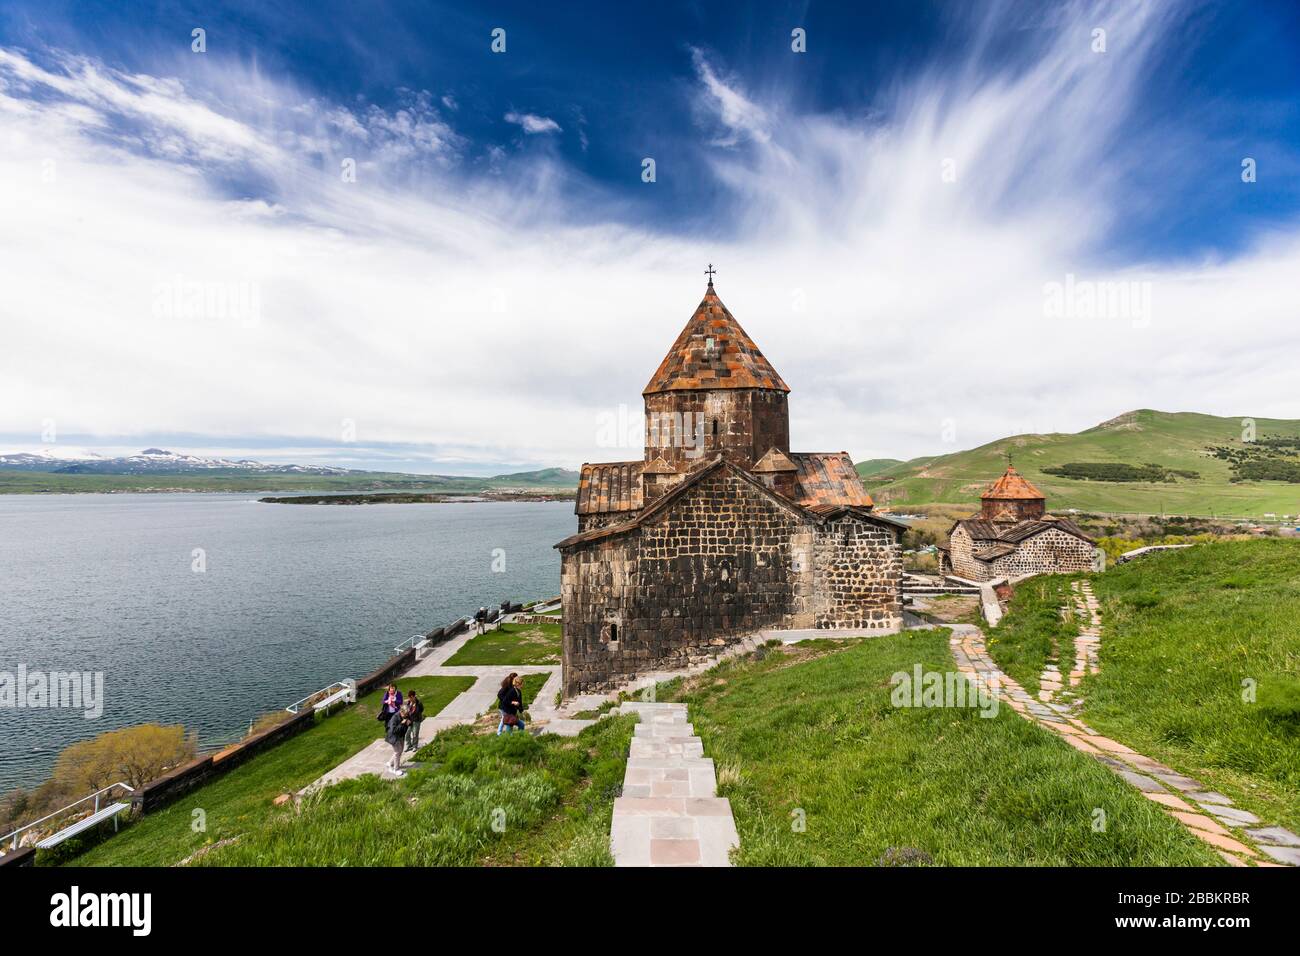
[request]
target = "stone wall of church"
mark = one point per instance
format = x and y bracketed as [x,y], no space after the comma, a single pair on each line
[689,428]
[715,566]
[1048,552]
[598,583]
[859,574]
[593,522]
[961,554]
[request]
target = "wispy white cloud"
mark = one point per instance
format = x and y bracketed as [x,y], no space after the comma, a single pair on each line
[892,265]
[532,123]
[738,115]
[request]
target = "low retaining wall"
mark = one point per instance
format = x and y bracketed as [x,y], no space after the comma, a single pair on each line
[387,672]
[23,856]
[179,781]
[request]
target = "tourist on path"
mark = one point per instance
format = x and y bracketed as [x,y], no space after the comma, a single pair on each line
[392,703]
[510,701]
[480,618]
[417,715]
[396,737]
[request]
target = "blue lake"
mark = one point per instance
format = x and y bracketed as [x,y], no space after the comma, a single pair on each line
[293,597]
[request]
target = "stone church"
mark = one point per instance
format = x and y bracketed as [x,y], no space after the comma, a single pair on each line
[1013,536]
[720,530]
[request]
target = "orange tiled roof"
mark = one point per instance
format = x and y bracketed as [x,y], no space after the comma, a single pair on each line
[609,486]
[1011,485]
[734,361]
[828,478]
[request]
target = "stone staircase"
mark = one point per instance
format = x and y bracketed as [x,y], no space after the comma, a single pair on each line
[670,813]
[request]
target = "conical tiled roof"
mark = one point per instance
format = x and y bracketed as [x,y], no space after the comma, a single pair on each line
[713,351]
[1011,485]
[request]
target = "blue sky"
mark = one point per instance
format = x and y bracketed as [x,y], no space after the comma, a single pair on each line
[811,178]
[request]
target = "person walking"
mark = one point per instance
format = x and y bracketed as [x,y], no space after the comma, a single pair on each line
[510,702]
[416,716]
[396,737]
[519,696]
[480,618]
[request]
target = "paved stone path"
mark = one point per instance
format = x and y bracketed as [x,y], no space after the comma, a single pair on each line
[670,813]
[1210,816]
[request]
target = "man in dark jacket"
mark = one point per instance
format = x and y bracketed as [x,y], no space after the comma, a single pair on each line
[416,716]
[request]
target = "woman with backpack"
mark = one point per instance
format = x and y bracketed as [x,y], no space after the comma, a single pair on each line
[396,738]
[510,701]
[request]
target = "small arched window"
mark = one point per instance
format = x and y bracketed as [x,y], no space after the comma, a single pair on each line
[613,632]
[715,429]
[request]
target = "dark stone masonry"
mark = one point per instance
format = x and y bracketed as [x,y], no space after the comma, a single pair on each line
[721,530]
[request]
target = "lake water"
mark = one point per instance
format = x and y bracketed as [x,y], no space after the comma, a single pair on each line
[293,597]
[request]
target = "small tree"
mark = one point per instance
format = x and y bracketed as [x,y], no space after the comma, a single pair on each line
[133,754]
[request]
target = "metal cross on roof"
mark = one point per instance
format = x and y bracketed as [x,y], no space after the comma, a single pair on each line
[710,272]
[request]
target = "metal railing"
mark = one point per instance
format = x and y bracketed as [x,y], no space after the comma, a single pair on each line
[415,640]
[324,693]
[94,796]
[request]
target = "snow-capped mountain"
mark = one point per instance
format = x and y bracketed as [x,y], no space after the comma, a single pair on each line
[152,461]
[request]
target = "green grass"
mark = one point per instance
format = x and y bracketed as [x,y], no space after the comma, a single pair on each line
[1181,631]
[1173,440]
[822,737]
[512,644]
[533,684]
[1033,633]
[241,799]
[478,800]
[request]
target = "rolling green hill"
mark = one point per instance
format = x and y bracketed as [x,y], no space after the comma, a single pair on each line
[874,466]
[1176,441]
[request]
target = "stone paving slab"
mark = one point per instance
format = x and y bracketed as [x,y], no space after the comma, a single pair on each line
[1278,835]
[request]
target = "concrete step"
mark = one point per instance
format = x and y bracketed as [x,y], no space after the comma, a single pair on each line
[642,747]
[665,731]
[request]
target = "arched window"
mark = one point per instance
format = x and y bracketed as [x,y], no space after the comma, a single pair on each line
[613,632]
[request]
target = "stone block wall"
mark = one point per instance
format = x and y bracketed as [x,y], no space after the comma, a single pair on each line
[961,555]
[741,424]
[1048,552]
[593,522]
[859,575]
[715,566]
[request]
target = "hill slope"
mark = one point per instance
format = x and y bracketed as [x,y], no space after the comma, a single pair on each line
[1174,440]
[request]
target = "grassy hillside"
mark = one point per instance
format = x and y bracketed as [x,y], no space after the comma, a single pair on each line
[1177,441]
[873,466]
[37,482]
[474,801]
[1184,634]
[822,770]
[1181,632]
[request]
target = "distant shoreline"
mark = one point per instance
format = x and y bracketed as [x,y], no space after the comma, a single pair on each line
[412,498]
